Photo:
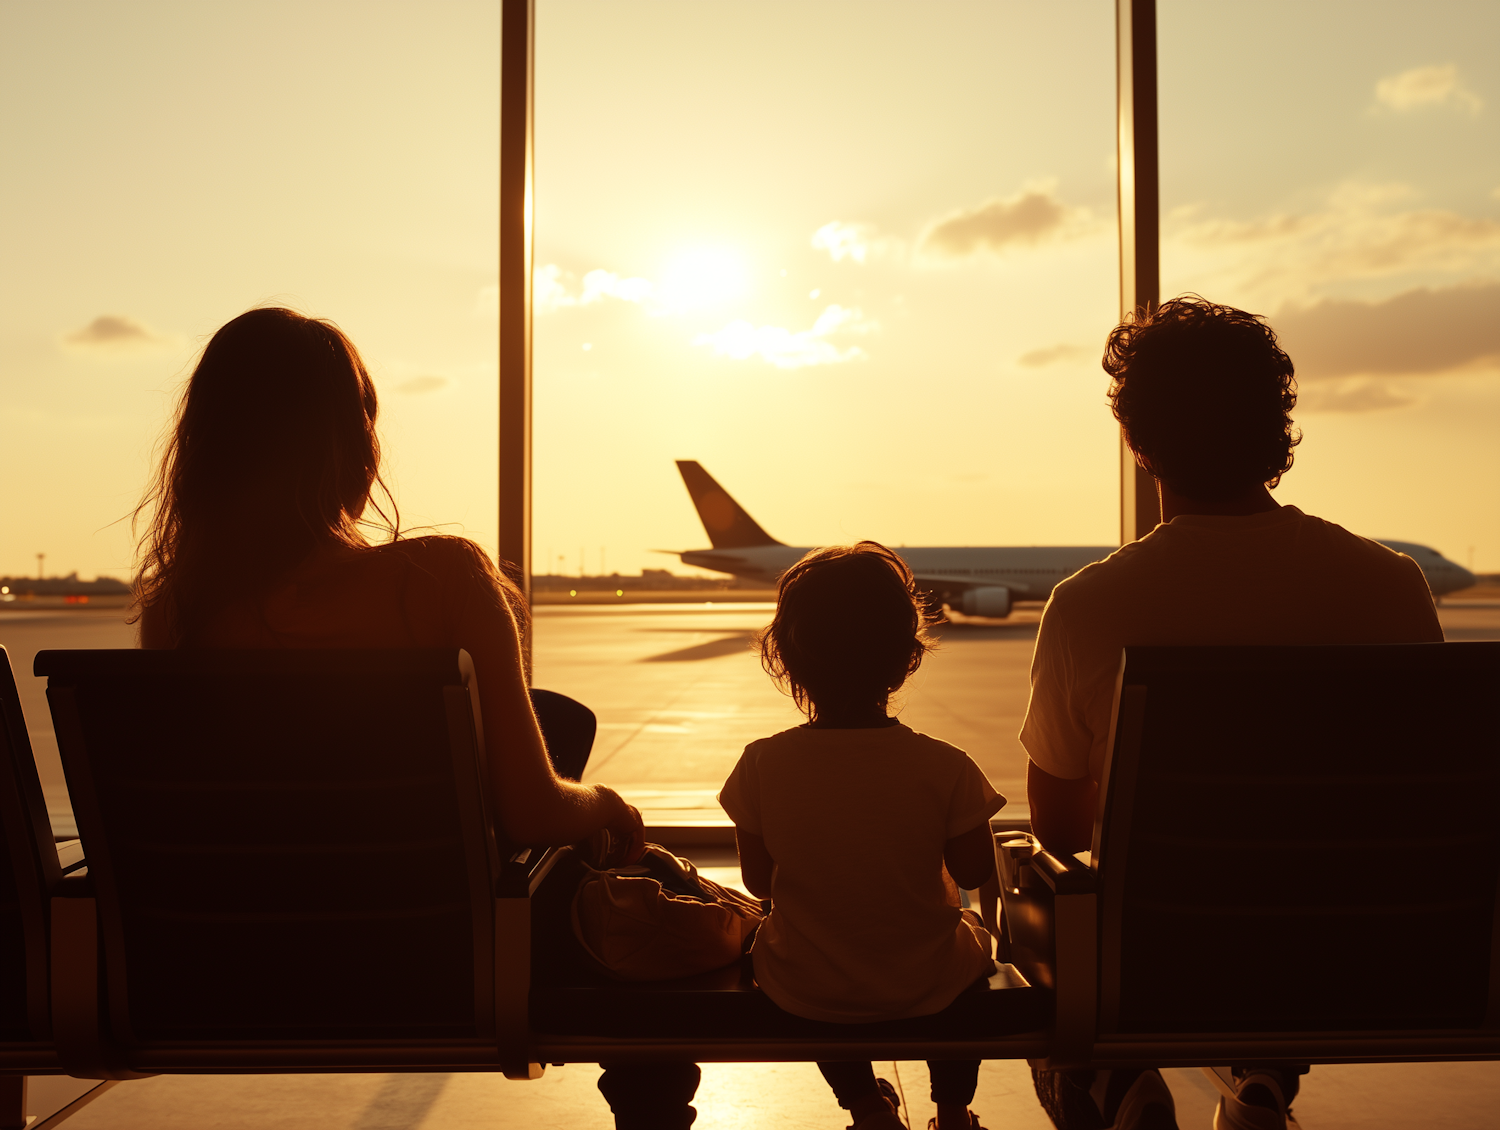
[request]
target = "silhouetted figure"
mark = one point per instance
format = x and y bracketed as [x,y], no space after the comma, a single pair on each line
[847,823]
[1204,395]
[257,539]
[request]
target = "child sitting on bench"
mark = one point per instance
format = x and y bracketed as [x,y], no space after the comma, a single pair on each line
[847,822]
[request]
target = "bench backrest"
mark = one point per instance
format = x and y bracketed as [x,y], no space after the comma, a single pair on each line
[286,844]
[1299,839]
[31,870]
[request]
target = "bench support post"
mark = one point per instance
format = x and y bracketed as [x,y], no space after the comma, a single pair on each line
[513,988]
[13,1102]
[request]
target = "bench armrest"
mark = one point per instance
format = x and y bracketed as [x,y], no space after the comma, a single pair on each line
[70,855]
[523,871]
[1064,875]
[1051,918]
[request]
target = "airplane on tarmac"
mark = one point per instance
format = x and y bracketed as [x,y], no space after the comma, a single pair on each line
[974,580]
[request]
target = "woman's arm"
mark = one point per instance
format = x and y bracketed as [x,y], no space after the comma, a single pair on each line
[756,864]
[533,804]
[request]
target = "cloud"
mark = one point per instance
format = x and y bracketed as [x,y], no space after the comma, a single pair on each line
[785,349]
[1360,233]
[601,284]
[418,385]
[551,290]
[1053,355]
[116,333]
[1426,86]
[1026,219]
[1352,396]
[1415,333]
[856,242]
[844,241]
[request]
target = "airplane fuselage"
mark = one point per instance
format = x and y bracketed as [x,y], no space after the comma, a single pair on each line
[976,580]
[1029,573]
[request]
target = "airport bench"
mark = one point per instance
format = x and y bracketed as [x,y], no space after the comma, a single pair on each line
[291,868]
[1296,860]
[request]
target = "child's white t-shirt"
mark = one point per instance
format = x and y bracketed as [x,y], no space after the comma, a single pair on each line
[856,820]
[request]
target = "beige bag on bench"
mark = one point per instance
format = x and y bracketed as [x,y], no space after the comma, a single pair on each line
[660,919]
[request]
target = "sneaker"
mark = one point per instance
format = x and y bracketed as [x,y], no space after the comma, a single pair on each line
[1258,1103]
[886,1119]
[1146,1104]
[888,1089]
[973,1122]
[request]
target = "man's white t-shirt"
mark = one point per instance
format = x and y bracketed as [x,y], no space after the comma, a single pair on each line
[1281,577]
[856,820]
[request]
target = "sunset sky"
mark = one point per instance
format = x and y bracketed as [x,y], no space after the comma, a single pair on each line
[857,258]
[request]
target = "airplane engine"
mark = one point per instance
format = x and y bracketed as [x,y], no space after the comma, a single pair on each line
[991,600]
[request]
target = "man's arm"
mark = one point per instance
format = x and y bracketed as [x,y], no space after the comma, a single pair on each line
[1062,811]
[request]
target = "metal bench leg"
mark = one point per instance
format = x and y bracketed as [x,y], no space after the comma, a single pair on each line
[13,1102]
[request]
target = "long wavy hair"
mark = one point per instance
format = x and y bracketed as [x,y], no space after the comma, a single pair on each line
[272,456]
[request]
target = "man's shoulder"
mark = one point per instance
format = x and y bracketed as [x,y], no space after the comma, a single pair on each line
[1321,537]
[1101,579]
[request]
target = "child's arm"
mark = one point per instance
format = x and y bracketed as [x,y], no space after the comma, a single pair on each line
[970,857]
[756,864]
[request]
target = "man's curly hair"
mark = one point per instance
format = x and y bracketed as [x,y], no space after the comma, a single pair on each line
[1205,395]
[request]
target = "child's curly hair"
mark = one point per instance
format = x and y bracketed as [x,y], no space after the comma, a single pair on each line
[850,628]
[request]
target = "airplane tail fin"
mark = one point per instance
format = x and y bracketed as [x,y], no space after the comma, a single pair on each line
[724,519]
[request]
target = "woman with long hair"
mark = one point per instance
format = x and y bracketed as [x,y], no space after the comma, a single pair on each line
[257,539]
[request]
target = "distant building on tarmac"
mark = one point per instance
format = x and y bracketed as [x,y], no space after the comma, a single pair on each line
[69,588]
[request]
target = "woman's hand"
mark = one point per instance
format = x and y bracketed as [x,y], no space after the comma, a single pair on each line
[627,832]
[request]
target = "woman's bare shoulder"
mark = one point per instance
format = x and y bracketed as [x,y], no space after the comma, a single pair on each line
[455,570]
[443,555]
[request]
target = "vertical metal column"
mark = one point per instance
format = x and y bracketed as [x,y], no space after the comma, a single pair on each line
[1140,219]
[517,34]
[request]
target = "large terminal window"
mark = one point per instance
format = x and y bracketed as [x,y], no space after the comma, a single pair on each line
[856,261]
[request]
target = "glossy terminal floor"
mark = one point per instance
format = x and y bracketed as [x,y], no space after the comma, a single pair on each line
[679,694]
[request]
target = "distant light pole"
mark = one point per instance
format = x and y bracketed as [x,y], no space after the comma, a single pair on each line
[40,557]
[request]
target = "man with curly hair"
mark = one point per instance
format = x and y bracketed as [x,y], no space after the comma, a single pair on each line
[1204,395]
